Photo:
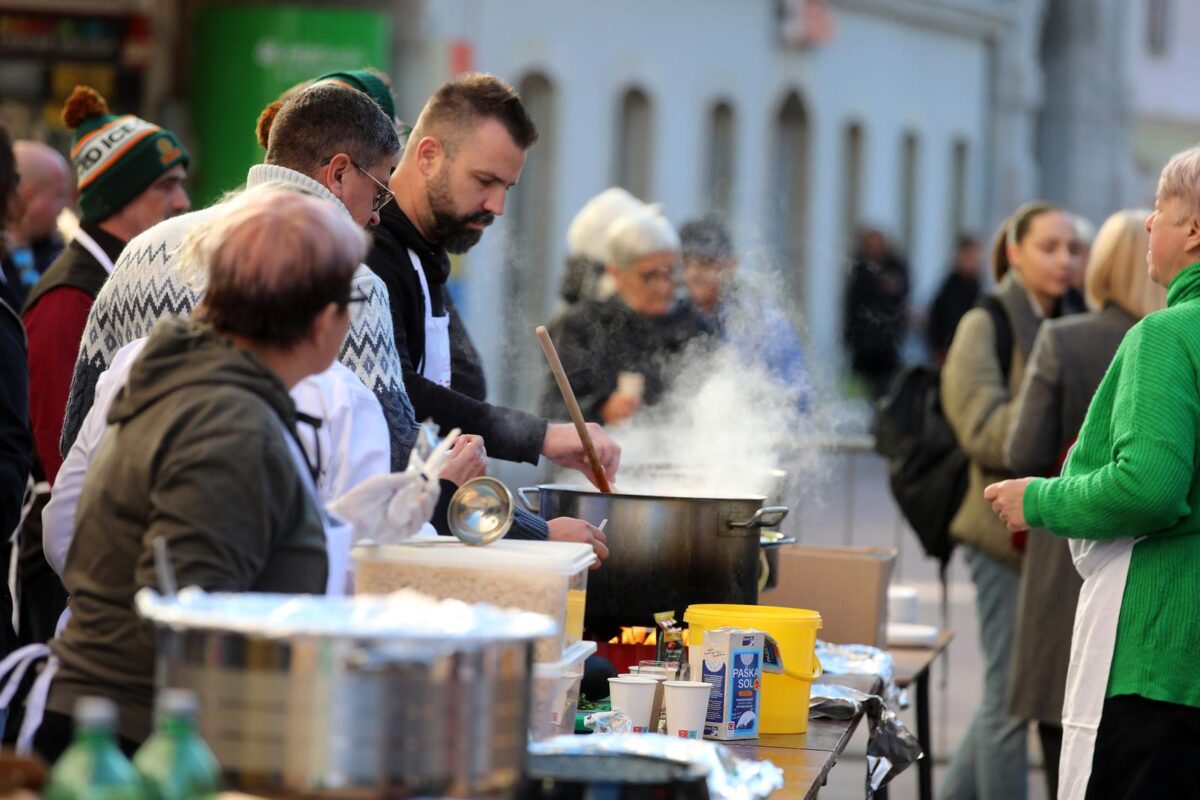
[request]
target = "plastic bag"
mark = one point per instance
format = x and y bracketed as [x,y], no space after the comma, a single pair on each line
[729,777]
[891,747]
[609,722]
[862,659]
[392,507]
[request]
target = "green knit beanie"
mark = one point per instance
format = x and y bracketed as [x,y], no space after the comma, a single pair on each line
[369,83]
[116,158]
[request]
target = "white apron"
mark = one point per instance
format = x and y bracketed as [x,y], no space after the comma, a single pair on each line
[1104,566]
[89,244]
[435,363]
[339,534]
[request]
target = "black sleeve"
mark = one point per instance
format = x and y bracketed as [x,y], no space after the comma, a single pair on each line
[524,526]
[16,441]
[508,433]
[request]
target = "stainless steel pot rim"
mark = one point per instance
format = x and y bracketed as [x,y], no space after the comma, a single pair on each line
[405,615]
[589,491]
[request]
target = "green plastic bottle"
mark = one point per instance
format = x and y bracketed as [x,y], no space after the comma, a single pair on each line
[93,767]
[175,762]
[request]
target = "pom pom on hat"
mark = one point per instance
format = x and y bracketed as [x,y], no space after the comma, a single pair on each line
[265,120]
[116,157]
[84,102]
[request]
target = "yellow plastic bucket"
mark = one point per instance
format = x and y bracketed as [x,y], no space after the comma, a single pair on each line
[784,702]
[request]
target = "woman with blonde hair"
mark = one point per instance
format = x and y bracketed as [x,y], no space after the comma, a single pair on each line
[1069,360]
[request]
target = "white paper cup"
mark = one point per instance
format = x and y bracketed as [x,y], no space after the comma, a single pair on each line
[687,707]
[634,696]
[659,676]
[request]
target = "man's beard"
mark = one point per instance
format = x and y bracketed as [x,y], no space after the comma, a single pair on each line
[449,229]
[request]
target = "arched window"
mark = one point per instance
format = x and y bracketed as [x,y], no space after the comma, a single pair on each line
[910,152]
[959,165]
[790,178]
[719,176]
[634,156]
[529,285]
[852,167]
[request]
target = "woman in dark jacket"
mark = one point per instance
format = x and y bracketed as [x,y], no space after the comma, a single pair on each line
[1069,360]
[1032,263]
[202,451]
[16,440]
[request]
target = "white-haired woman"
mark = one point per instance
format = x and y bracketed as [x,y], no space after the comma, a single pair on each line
[1068,362]
[1129,496]
[641,330]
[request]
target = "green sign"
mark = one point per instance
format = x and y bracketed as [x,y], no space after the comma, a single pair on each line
[245,57]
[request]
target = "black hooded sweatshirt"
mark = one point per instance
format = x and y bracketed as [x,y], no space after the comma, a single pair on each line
[511,434]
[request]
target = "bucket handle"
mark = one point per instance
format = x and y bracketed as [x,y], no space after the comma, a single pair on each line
[816,673]
[532,506]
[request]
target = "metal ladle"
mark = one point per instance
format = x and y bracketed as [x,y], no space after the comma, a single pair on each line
[481,511]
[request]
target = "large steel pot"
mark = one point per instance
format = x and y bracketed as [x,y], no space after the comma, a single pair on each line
[329,715]
[665,553]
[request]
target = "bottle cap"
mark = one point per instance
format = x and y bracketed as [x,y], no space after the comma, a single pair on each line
[178,703]
[96,712]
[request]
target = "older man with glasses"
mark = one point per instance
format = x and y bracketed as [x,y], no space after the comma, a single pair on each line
[326,140]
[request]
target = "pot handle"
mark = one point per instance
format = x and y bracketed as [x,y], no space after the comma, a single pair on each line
[765,517]
[532,506]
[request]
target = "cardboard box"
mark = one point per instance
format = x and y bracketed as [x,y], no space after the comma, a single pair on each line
[847,585]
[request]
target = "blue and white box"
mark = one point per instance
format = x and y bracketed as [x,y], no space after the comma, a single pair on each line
[733,665]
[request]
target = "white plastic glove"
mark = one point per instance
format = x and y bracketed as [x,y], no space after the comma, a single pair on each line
[391,508]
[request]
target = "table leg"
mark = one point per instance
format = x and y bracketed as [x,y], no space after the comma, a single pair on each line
[925,765]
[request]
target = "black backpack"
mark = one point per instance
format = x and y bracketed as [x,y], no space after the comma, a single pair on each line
[927,469]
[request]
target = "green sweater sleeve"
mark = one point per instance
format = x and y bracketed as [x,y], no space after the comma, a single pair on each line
[1143,482]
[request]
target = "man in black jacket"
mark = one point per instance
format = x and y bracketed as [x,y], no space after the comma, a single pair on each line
[16,441]
[465,152]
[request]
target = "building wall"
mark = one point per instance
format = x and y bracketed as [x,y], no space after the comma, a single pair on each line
[891,75]
[1166,114]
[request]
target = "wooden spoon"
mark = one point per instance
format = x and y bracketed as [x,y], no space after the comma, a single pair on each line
[568,396]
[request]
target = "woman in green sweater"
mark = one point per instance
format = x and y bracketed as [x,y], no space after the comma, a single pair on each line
[1130,492]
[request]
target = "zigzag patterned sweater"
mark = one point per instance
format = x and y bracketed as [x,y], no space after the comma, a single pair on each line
[150,282]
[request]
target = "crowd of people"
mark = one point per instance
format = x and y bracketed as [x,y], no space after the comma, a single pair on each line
[312,308]
[316,347]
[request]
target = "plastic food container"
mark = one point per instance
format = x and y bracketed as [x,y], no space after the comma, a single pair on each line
[556,693]
[547,577]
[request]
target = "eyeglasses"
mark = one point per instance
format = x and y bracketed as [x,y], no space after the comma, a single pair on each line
[657,276]
[385,195]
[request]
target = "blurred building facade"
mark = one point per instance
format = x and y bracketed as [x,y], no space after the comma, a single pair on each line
[1165,103]
[798,119]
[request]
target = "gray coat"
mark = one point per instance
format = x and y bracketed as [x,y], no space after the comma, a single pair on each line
[1067,365]
[978,404]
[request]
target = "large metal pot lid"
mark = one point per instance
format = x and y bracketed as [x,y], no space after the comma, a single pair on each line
[618,492]
[402,615]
